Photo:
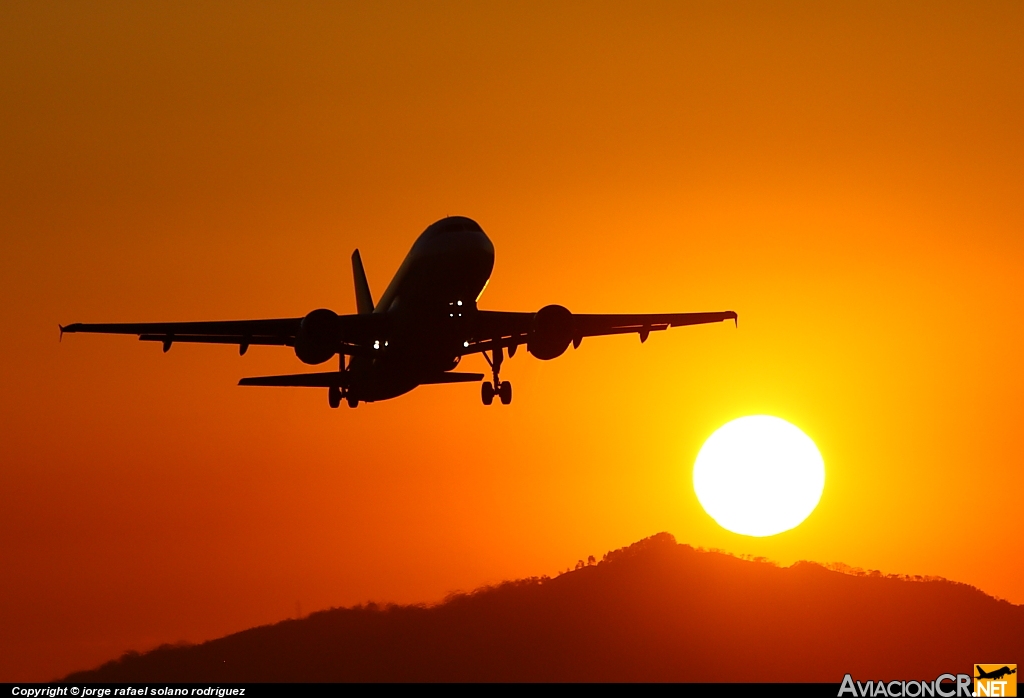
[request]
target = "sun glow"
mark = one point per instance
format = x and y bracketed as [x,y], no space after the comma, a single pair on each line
[759,476]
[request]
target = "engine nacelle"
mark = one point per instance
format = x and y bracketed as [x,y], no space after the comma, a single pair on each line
[551,333]
[317,340]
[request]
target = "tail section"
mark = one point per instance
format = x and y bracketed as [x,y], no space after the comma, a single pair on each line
[331,379]
[364,301]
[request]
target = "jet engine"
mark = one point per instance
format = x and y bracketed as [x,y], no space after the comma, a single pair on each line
[551,333]
[317,340]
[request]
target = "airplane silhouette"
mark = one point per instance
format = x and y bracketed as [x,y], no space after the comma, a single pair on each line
[418,331]
[996,674]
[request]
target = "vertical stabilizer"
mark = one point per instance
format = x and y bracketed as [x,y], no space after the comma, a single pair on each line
[364,301]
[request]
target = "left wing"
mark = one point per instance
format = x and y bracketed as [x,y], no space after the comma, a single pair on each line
[599,325]
[497,329]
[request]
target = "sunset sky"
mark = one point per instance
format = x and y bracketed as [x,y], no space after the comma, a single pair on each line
[849,180]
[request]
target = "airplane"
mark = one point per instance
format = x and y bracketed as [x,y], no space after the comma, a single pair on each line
[416,334]
[995,675]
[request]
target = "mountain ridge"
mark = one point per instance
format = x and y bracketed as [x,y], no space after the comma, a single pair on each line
[656,610]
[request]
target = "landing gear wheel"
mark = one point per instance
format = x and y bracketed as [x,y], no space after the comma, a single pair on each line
[334,396]
[505,392]
[487,392]
[352,402]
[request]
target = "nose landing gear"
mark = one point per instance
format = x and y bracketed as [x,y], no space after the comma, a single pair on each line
[503,389]
[505,392]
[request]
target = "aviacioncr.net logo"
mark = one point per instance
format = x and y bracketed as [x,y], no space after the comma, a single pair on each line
[995,680]
[945,686]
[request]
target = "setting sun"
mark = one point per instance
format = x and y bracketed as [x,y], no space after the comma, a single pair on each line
[759,476]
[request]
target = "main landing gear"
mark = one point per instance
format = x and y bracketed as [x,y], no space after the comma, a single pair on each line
[334,396]
[335,393]
[503,389]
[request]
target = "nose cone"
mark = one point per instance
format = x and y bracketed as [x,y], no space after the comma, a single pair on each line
[453,224]
[456,233]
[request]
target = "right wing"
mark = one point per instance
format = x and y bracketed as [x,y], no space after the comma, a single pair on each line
[353,333]
[279,332]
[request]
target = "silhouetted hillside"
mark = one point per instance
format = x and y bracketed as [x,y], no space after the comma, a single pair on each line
[655,611]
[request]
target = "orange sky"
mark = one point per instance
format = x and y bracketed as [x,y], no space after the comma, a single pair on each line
[850,180]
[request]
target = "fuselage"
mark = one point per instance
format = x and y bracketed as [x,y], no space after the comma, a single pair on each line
[429,306]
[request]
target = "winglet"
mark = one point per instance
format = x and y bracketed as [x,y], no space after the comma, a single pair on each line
[735,318]
[61,339]
[364,300]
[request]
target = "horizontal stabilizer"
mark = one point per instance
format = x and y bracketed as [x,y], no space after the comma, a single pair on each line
[453,378]
[300,380]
